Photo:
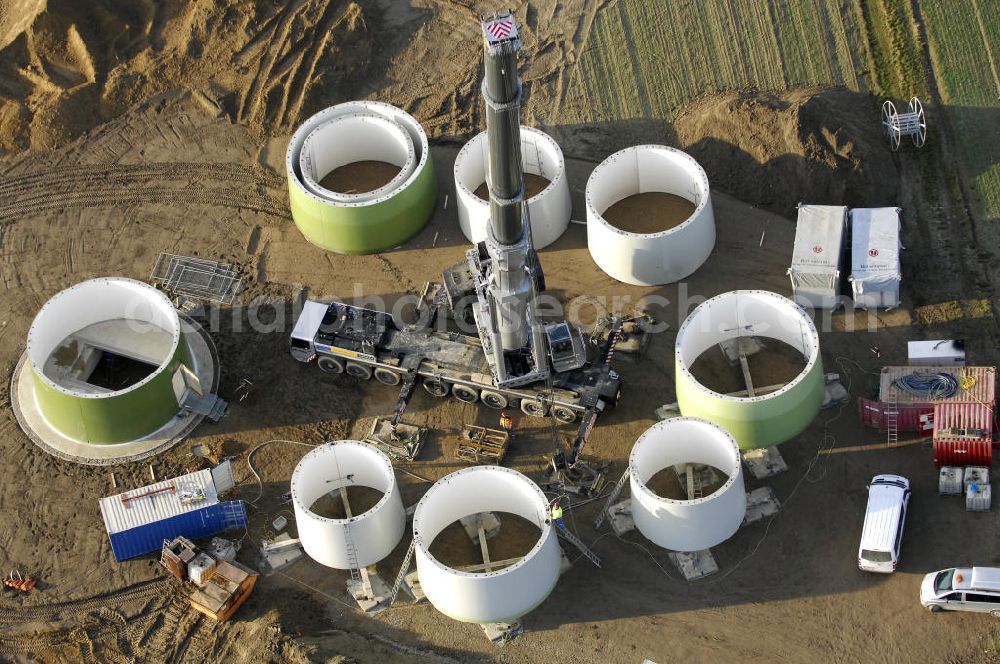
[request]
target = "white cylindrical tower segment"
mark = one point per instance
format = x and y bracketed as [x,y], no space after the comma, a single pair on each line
[686,525]
[649,259]
[351,138]
[374,533]
[487,597]
[549,209]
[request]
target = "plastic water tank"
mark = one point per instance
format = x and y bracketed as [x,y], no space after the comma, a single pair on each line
[978,497]
[950,481]
[200,569]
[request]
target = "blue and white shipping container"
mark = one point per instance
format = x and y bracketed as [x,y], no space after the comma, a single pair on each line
[138,521]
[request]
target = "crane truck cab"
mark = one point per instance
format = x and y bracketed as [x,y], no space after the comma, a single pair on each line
[339,329]
[300,344]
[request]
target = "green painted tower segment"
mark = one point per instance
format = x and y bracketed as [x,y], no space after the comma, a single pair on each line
[115,417]
[362,221]
[764,417]
[756,422]
[366,229]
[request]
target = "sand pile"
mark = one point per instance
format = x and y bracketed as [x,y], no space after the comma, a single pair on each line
[807,145]
[15,16]
[77,65]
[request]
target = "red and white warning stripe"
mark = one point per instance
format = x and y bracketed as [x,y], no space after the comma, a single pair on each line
[500,28]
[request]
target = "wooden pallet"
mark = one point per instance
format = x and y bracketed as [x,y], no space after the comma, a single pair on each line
[481,445]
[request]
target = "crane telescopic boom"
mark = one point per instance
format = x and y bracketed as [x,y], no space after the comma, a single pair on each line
[503,271]
[501,92]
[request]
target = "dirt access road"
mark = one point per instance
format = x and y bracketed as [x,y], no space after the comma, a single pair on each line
[161,139]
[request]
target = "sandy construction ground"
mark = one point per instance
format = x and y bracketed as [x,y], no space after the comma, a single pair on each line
[134,131]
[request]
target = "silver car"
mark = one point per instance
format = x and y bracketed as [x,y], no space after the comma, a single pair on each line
[962,589]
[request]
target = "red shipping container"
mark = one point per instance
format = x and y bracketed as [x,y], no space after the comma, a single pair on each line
[970,419]
[872,414]
[963,452]
[963,434]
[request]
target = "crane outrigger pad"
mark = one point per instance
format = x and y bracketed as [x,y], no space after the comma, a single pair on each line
[404,443]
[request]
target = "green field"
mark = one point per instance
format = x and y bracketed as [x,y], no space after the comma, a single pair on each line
[964,37]
[690,48]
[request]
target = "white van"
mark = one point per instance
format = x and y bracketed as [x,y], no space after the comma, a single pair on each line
[962,589]
[882,537]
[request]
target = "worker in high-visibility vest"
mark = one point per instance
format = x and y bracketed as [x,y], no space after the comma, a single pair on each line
[506,423]
[556,514]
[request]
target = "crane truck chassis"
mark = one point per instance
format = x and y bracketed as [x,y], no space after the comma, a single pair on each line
[517,359]
[366,343]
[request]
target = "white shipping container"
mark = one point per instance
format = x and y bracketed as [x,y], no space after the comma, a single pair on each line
[817,255]
[936,353]
[875,246]
[158,502]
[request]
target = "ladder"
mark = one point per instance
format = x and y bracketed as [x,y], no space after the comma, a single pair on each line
[745,367]
[578,543]
[402,573]
[352,554]
[892,419]
[599,521]
[694,490]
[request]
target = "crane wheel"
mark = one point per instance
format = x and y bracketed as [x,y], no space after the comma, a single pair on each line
[564,414]
[494,399]
[437,388]
[330,365]
[360,371]
[465,393]
[533,407]
[387,376]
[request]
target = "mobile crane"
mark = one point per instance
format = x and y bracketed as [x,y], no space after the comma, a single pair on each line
[516,360]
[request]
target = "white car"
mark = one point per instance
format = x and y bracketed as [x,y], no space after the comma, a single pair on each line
[885,516]
[962,589]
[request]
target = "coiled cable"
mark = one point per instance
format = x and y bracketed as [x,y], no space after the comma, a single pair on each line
[928,386]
